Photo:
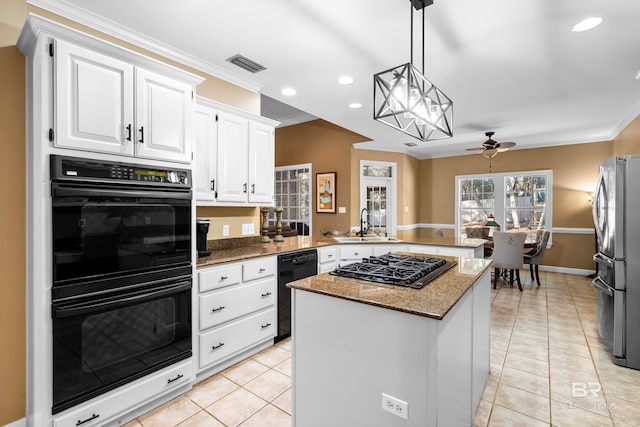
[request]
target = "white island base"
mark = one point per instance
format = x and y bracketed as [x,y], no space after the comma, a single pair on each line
[346,354]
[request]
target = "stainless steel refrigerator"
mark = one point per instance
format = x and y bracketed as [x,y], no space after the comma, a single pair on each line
[616,214]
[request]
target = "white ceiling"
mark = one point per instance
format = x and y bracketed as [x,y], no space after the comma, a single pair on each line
[513,67]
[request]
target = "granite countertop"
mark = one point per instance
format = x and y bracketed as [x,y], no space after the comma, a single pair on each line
[291,244]
[434,300]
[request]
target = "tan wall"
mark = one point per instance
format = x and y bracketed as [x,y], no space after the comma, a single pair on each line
[12,230]
[12,218]
[328,148]
[628,141]
[575,172]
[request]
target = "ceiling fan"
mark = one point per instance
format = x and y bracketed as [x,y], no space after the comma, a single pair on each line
[491,147]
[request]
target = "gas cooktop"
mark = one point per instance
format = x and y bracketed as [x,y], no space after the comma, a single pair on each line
[394,269]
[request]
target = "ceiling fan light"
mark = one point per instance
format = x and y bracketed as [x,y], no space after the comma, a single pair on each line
[490,152]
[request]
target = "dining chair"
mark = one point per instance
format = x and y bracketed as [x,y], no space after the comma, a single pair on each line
[507,254]
[534,256]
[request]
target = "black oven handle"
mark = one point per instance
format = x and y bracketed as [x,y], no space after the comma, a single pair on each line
[79,190]
[75,309]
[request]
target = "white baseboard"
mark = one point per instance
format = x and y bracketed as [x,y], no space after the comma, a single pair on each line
[565,270]
[17,423]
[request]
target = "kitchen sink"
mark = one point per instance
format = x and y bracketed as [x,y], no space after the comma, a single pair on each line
[367,239]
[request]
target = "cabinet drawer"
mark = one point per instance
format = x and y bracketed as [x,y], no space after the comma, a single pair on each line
[227,340]
[327,255]
[230,303]
[326,267]
[355,252]
[97,412]
[218,277]
[258,269]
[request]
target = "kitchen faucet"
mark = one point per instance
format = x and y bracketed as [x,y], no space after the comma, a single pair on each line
[362,222]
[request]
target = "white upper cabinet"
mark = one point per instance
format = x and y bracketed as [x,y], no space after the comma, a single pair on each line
[261,163]
[95,95]
[164,110]
[205,152]
[235,156]
[233,151]
[93,101]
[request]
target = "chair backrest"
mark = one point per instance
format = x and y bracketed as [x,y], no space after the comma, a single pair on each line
[507,249]
[541,246]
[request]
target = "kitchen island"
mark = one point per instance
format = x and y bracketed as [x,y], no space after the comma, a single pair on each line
[359,347]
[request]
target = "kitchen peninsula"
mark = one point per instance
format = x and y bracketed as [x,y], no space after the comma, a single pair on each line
[380,355]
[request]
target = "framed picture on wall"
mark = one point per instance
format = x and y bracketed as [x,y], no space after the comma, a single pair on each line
[326,192]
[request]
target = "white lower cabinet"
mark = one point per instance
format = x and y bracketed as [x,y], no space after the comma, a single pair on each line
[350,254]
[236,309]
[108,407]
[464,252]
[327,259]
[224,341]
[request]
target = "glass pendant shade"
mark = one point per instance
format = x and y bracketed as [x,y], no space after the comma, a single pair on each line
[406,100]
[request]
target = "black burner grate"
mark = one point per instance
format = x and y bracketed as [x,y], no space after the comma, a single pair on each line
[394,269]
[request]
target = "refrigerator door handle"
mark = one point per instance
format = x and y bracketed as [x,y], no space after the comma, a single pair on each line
[599,284]
[599,257]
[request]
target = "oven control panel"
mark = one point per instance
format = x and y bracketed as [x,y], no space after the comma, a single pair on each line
[74,168]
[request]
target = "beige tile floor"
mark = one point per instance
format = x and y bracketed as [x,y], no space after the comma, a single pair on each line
[548,368]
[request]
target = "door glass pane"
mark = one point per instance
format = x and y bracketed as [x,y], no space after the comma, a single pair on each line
[376,203]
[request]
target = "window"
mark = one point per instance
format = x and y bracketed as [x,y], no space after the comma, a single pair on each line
[292,192]
[518,200]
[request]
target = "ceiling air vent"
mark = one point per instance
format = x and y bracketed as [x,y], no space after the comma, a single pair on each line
[410,144]
[246,63]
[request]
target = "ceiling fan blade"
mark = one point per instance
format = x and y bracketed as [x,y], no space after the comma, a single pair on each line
[475,149]
[502,150]
[506,144]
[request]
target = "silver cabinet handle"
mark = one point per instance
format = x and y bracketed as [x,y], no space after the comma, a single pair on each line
[266,294]
[218,309]
[262,270]
[266,326]
[223,278]
[217,346]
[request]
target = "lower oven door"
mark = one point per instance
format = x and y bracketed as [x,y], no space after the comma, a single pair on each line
[103,342]
[611,317]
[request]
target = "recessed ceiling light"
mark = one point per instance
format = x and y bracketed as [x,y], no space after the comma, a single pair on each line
[345,80]
[289,91]
[587,24]
[355,105]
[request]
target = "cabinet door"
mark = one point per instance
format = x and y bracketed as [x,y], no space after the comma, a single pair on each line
[164,110]
[205,153]
[93,101]
[232,165]
[261,163]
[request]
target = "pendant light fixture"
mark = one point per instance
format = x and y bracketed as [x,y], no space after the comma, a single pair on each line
[405,99]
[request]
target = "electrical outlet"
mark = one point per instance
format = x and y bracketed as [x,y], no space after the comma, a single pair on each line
[395,406]
[247,229]
[342,209]
[225,230]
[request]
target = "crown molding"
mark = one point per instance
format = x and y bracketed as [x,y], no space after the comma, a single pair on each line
[66,10]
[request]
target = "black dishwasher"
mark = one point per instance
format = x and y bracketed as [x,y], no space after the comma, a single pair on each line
[292,266]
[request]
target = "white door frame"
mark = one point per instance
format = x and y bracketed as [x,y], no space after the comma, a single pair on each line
[392,188]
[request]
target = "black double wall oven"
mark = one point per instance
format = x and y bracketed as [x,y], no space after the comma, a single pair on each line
[122,268]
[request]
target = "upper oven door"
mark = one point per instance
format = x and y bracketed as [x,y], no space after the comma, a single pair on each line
[106,231]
